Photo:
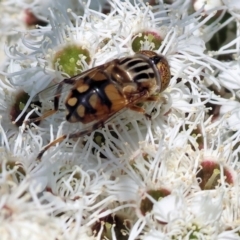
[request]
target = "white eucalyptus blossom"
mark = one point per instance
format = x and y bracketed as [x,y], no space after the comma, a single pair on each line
[172,173]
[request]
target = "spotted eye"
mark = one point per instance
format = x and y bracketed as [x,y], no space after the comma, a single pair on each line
[163,74]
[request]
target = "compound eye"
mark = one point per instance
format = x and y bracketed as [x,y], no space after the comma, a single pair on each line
[156,59]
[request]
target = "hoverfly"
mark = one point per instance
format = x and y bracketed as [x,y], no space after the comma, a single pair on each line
[97,94]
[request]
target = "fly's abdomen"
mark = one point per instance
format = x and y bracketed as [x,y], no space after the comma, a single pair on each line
[96,102]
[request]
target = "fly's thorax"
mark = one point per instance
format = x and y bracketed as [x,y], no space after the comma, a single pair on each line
[160,67]
[130,71]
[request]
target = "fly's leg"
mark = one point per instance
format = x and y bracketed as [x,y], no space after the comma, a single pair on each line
[79,134]
[137,109]
[141,96]
[152,99]
[45,148]
[140,110]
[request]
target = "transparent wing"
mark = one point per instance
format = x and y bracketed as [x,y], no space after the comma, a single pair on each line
[88,128]
[69,83]
[51,92]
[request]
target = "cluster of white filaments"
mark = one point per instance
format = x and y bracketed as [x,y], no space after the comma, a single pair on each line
[173,176]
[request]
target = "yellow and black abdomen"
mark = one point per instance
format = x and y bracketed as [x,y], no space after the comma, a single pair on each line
[93,99]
